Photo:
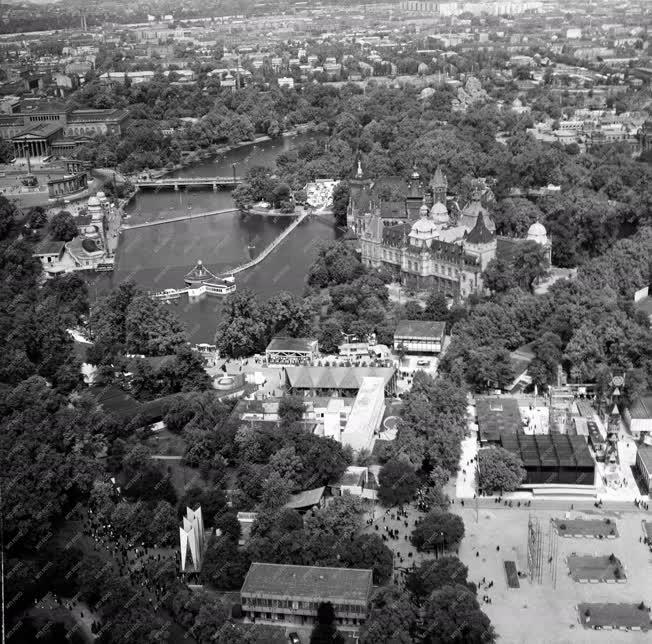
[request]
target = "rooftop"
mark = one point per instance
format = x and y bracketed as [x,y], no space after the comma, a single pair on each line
[292,344]
[305,499]
[335,377]
[49,247]
[549,450]
[645,455]
[308,582]
[642,407]
[420,329]
[497,416]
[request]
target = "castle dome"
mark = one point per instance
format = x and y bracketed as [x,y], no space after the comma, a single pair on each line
[537,233]
[422,229]
[439,213]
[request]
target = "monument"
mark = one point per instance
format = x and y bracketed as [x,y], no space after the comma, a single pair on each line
[191,537]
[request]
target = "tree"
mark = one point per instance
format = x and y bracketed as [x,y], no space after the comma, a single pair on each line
[436,308]
[368,551]
[151,328]
[63,226]
[242,331]
[7,216]
[37,217]
[452,615]
[6,150]
[398,483]
[530,263]
[224,565]
[392,618]
[341,195]
[499,470]
[325,631]
[434,574]
[276,491]
[291,409]
[498,276]
[438,531]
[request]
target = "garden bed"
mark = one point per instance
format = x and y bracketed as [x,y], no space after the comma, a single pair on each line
[610,616]
[586,528]
[512,574]
[596,569]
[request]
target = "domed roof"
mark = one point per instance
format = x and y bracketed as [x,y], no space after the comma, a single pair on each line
[439,213]
[537,232]
[93,201]
[422,228]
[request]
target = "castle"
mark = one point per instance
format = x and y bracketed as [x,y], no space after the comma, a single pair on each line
[426,240]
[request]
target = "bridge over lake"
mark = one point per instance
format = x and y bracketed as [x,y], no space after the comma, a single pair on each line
[187,182]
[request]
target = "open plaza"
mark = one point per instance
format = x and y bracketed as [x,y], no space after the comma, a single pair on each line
[545,611]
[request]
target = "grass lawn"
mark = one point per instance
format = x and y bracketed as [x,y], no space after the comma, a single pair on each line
[592,568]
[635,616]
[597,528]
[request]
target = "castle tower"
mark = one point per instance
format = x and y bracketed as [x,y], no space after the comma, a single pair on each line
[481,242]
[439,186]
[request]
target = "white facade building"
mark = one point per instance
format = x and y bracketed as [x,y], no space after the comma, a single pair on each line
[366,415]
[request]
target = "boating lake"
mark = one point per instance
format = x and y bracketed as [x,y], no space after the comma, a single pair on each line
[158,257]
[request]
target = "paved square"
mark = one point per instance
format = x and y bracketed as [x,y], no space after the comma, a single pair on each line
[547,613]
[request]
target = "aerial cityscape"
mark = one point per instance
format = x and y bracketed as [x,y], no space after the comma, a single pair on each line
[325,323]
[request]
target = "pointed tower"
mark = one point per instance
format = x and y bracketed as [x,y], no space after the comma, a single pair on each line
[481,242]
[414,199]
[439,186]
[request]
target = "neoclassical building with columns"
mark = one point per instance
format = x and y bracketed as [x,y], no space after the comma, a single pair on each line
[435,246]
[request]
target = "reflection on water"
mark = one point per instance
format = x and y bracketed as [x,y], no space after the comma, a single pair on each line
[158,257]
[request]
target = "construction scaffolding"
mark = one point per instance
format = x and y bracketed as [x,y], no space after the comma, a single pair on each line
[534,549]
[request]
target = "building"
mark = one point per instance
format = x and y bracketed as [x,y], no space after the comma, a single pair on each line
[340,381]
[307,500]
[497,416]
[290,595]
[366,415]
[67,185]
[191,539]
[282,351]
[50,254]
[419,336]
[42,129]
[644,467]
[638,417]
[552,459]
[92,249]
[426,242]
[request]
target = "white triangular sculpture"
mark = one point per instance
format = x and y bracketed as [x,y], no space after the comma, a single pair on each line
[191,535]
